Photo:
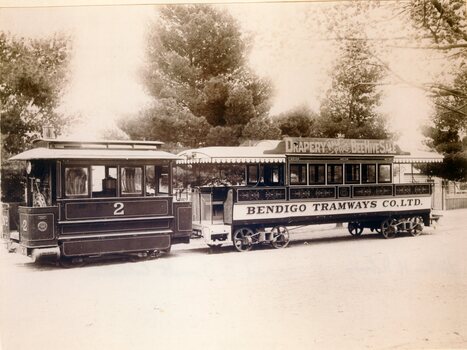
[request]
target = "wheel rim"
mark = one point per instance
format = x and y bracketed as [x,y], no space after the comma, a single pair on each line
[389,228]
[417,226]
[280,237]
[355,228]
[242,239]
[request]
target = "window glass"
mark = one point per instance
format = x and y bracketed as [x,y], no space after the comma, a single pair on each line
[352,173]
[150,180]
[273,175]
[252,174]
[334,173]
[104,181]
[162,176]
[368,173]
[298,174]
[384,173]
[76,181]
[131,180]
[317,174]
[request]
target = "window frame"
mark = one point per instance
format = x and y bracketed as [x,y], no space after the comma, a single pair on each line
[328,172]
[317,166]
[88,181]
[132,194]
[305,177]
[375,173]
[379,173]
[346,173]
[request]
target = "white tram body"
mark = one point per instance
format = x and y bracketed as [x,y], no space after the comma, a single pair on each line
[304,181]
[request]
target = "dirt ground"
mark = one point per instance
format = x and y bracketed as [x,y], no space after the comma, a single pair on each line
[327,290]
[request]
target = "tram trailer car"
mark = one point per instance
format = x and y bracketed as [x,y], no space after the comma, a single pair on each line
[304,181]
[86,199]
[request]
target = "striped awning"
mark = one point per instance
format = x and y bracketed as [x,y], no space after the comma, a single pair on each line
[228,155]
[419,157]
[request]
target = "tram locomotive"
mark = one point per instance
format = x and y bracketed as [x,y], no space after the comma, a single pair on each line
[86,199]
[304,181]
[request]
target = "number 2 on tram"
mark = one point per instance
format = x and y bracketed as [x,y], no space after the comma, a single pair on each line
[88,199]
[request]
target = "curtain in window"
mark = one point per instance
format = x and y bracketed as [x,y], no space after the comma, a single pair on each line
[131,180]
[76,181]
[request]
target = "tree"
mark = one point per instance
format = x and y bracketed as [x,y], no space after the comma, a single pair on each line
[299,122]
[169,122]
[442,26]
[261,128]
[196,56]
[350,106]
[32,75]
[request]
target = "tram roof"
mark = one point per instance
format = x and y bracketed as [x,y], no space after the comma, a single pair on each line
[69,149]
[276,151]
[47,153]
[232,155]
[419,157]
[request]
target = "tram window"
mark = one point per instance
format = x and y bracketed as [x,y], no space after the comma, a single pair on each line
[273,175]
[298,174]
[131,180]
[316,172]
[368,173]
[76,181]
[384,172]
[150,180]
[352,173]
[104,181]
[162,176]
[252,174]
[334,173]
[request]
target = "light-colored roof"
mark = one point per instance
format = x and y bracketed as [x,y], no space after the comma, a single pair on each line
[236,155]
[419,157]
[77,153]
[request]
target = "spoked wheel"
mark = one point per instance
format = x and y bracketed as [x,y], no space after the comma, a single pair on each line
[417,226]
[389,228]
[280,237]
[355,228]
[243,239]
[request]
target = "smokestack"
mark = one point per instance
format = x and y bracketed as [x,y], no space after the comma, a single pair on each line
[48,132]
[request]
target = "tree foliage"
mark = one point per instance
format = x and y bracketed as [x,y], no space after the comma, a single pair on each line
[350,107]
[300,121]
[196,58]
[167,121]
[442,26]
[32,76]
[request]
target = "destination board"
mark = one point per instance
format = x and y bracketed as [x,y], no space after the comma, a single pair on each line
[297,209]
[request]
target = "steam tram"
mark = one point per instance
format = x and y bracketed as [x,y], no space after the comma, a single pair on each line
[300,181]
[86,199]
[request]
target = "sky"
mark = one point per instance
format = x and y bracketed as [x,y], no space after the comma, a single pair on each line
[289,47]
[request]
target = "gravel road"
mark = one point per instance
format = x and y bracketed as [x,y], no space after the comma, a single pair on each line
[327,290]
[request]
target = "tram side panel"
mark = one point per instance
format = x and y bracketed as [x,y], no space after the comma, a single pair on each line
[115,226]
[320,212]
[104,226]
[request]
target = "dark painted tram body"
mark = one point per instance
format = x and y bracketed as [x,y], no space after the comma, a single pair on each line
[93,198]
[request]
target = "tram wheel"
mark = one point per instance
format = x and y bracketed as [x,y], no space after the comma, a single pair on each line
[355,228]
[417,226]
[389,228]
[280,237]
[243,239]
